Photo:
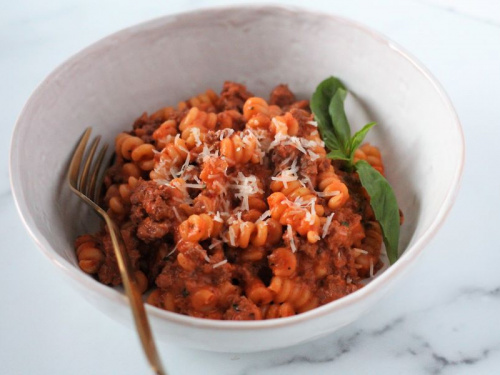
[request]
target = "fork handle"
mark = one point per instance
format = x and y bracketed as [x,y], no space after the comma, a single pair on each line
[138,311]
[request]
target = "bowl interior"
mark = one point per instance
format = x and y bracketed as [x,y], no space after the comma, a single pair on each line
[170,59]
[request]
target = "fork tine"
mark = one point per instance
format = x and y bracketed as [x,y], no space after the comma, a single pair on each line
[76,160]
[82,186]
[94,189]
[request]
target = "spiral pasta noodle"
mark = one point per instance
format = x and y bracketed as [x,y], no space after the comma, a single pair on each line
[206,101]
[369,252]
[134,148]
[372,155]
[171,157]
[195,125]
[285,125]
[299,218]
[277,310]
[199,227]
[240,148]
[334,189]
[89,253]
[165,133]
[259,113]
[298,295]
[243,233]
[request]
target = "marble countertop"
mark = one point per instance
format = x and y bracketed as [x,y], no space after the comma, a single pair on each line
[442,318]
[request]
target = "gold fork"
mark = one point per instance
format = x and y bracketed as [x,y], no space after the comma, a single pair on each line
[86,186]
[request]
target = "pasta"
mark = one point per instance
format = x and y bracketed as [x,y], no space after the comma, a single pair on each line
[230,209]
[372,155]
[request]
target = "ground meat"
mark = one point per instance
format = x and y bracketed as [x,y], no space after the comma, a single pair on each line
[301,104]
[109,272]
[309,168]
[144,127]
[282,96]
[152,210]
[284,152]
[243,309]
[149,230]
[233,96]
[303,118]
[153,200]
[335,287]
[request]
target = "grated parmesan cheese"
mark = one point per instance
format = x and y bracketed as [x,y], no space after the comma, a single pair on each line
[225,133]
[327,225]
[196,134]
[360,250]
[173,250]
[288,175]
[306,181]
[176,213]
[206,153]
[264,216]
[215,242]
[231,236]
[195,186]
[221,263]
[328,194]
[246,187]
[218,218]
[313,123]
[313,155]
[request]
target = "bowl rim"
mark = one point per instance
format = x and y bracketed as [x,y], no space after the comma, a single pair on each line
[401,265]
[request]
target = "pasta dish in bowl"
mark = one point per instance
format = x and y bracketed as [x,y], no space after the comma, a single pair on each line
[231,209]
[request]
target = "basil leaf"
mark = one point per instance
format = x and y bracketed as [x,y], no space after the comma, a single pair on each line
[341,126]
[384,204]
[338,155]
[320,103]
[359,137]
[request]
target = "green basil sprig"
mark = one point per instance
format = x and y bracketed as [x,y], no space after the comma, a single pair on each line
[327,105]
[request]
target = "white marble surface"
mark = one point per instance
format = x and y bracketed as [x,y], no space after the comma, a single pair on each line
[441,319]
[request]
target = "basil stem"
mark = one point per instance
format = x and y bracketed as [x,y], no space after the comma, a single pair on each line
[358,138]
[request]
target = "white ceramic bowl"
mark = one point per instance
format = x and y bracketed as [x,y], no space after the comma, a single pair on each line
[160,62]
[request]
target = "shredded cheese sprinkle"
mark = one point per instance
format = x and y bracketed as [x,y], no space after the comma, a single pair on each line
[360,250]
[231,236]
[173,250]
[218,218]
[196,186]
[327,225]
[215,242]
[288,175]
[264,216]
[245,187]
[221,263]
[328,194]
[176,213]
[225,133]
[196,135]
